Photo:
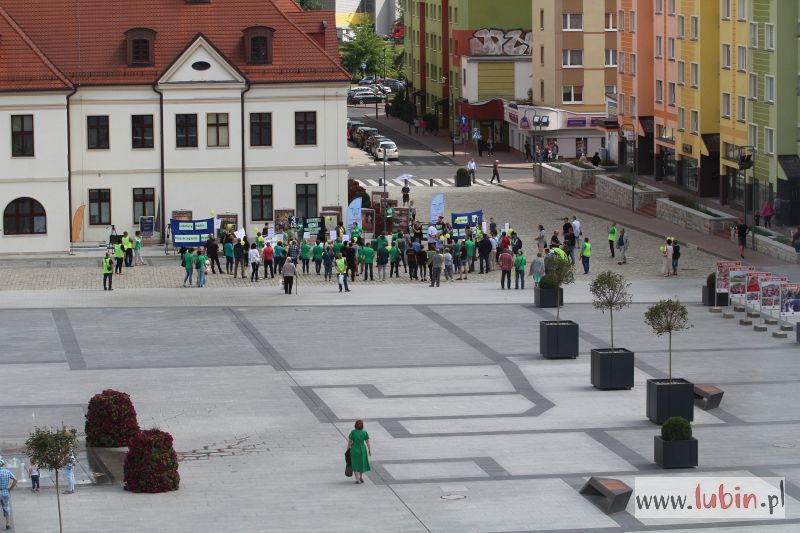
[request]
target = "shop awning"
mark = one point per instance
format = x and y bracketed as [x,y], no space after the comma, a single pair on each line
[486,110]
[421,93]
[441,102]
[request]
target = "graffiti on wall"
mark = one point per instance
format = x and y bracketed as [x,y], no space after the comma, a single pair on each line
[494,42]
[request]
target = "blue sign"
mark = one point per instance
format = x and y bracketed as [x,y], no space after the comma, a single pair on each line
[146,226]
[464,120]
[363,66]
[190,233]
[462,220]
[476,133]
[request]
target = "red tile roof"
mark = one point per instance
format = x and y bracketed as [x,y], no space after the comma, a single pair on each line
[84,39]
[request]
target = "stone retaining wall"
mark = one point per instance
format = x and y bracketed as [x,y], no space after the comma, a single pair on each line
[772,248]
[690,219]
[569,176]
[615,192]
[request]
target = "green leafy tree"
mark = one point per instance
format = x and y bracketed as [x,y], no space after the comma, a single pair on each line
[364,46]
[310,5]
[52,450]
[610,291]
[666,317]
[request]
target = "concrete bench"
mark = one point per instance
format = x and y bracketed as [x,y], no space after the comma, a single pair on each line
[707,396]
[615,492]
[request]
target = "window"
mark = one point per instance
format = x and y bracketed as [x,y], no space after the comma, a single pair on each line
[741,108]
[99,207]
[681,72]
[258,45]
[671,48]
[621,59]
[142,131]
[659,91]
[21,135]
[139,47]
[741,12]
[611,89]
[769,89]
[769,37]
[611,57]
[633,106]
[681,118]
[681,29]
[140,51]
[726,105]
[611,23]
[753,35]
[572,58]
[144,203]
[621,107]
[261,131]
[726,56]
[572,94]
[752,135]
[741,58]
[305,128]
[659,7]
[186,131]
[217,129]
[306,201]
[541,19]
[261,202]
[694,28]
[726,9]
[658,50]
[24,216]
[541,54]
[752,87]
[541,89]
[572,22]
[671,7]
[694,74]
[97,132]
[633,64]
[769,141]
[671,94]
[621,20]
[633,22]
[695,121]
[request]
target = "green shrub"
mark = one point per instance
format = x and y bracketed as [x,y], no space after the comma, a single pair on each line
[462,173]
[676,428]
[548,281]
[711,281]
[691,204]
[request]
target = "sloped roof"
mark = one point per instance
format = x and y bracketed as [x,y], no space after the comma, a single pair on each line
[85,40]
[22,65]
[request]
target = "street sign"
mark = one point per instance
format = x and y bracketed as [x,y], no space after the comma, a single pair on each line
[363,66]
[464,128]
[476,134]
[464,120]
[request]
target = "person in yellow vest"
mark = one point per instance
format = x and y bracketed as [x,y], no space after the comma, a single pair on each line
[341,272]
[586,253]
[127,246]
[560,253]
[108,273]
[119,255]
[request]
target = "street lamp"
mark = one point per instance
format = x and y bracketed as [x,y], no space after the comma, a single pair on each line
[539,122]
[747,161]
[626,128]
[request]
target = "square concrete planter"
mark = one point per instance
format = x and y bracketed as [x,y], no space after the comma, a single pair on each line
[612,369]
[665,399]
[558,339]
[708,297]
[675,453]
[548,297]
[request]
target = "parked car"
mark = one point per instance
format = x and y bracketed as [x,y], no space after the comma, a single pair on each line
[366,140]
[362,133]
[389,148]
[368,80]
[395,85]
[366,98]
[373,142]
[352,125]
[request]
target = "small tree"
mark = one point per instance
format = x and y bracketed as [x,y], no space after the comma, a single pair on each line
[667,316]
[610,291]
[561,273]
[51,450]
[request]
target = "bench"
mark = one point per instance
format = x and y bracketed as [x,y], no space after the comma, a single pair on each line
[615,492]
[707,396]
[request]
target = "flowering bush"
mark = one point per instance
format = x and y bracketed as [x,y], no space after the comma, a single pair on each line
[111,420]
[151,464]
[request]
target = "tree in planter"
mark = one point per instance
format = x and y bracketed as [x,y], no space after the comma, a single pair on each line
[667,317]
[610,291]
[561,273]
[52,450]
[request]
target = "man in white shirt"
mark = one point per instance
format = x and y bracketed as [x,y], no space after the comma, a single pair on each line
[432,233]
[471,168]
[576,227]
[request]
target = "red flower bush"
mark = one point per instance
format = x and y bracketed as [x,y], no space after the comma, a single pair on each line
[111,420]
[151,464]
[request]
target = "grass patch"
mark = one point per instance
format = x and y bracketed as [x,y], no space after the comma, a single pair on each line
[586,166]
[783,239]
[692,204]
[629,182]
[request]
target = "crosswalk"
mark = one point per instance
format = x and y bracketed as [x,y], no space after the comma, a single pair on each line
[415,162]
[418,182]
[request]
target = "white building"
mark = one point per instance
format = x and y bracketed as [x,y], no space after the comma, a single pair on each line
[236,107]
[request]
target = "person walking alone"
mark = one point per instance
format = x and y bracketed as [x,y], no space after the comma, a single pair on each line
[586,253]
[289,271]
[471,167]
[622,244]
[360,450]
[108,273]
[506,265]
[519,270]
[495,171]
[7,483]
[436,261]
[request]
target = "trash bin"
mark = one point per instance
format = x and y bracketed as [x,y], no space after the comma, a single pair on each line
[462,178]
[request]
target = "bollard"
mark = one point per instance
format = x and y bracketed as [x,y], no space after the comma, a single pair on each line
[380,182]
[431,182]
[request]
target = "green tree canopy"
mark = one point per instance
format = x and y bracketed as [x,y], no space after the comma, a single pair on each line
[311,4]
[364,46]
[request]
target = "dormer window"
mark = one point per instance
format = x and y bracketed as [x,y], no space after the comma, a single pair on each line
[139,47]
[258,45]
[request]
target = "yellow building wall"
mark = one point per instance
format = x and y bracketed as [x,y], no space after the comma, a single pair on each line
[495,79]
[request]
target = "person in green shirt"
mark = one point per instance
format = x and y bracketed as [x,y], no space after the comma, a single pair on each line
[341,272]
[337,247]
[470,254]
[381,241]
[108,272]
[119,256]
[260,241]
[355,232]
[200,265]
[137,249]
[612,237]
[586,253]
[367,259]
[227,249]
[280,258]
[188,264]
[305,256]
[519,270]
[316,254]
[394,263]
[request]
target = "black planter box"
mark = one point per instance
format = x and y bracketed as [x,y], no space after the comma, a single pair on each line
[463,180]
[708,297]
[548,297]
[612,369]
[675,453]
[558,339]
[665,399]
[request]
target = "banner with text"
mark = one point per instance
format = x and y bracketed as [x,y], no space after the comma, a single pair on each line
[737,281]
[790,300]
[191,232]
[460,222]
[723,270]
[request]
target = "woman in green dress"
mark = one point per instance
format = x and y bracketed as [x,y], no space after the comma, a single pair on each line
[360,450]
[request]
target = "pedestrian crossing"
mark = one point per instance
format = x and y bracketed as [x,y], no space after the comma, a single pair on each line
[415,162]
[418,182]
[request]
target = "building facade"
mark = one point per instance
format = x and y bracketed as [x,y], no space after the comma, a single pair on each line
[381,13]
[223,109]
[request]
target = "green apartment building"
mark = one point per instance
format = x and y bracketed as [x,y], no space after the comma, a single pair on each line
[439,32]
